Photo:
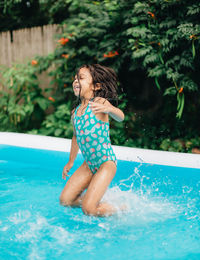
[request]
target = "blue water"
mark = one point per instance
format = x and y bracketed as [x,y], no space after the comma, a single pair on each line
[162,220]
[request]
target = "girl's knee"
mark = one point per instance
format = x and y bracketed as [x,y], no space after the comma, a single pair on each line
[88,209]
[64,201]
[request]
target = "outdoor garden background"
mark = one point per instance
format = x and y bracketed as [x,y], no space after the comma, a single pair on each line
[154,47]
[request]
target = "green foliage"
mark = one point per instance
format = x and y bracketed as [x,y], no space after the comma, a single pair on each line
[172,146]
[148,33]
[57,124]
[17,14]
[22,103]
[156,38]
[152,45]
[164,41]
[180,145]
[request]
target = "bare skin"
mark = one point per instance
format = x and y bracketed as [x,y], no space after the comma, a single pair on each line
[96,186]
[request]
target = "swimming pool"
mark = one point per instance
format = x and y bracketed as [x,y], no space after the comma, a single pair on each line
[162,222]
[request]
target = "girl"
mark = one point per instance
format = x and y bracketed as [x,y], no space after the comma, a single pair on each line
[91,134]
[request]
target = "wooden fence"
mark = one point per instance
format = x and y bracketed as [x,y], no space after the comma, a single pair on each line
[27,43]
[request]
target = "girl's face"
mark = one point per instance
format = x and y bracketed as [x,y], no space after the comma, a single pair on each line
[86,89]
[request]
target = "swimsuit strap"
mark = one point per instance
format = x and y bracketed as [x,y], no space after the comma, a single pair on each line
[91,99]
[79,106]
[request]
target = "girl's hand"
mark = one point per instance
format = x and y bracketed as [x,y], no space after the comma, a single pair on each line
[99,108]
[66,169]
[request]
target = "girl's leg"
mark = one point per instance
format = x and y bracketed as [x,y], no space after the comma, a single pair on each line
[91,202]
[77,183]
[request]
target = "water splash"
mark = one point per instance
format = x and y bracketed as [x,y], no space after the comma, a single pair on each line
[20,216]
[140,195]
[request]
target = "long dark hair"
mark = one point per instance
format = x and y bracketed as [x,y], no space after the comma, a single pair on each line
[108,81]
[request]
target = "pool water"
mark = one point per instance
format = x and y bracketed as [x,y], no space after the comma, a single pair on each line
[162,219]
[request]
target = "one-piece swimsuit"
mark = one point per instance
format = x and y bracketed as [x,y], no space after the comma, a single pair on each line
[93,138]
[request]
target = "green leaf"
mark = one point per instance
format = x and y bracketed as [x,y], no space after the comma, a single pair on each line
[180,106]
[58,132]
[157,84]
[193,49]
[43,103]
[170,91]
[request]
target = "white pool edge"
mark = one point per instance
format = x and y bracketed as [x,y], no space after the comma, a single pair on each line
[122,152]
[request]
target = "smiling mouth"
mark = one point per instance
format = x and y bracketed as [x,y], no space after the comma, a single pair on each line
[76,88]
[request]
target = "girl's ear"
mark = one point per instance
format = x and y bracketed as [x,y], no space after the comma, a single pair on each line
[97,86]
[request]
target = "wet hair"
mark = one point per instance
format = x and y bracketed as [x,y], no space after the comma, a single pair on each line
[106,77]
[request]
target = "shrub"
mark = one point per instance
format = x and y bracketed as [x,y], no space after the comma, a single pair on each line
[153,47]
[22,103]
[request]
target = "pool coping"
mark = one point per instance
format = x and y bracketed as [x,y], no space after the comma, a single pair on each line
[122,152]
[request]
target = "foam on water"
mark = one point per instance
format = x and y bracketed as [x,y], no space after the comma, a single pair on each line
[141,208]
[20,216]
[35,228]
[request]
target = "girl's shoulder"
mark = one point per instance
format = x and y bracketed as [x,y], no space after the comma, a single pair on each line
[101,100]
[102,116]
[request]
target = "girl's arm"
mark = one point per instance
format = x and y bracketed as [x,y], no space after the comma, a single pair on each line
[104,106]
[74,150]
[73,153]
[74,144]
[115,113]
[72,157]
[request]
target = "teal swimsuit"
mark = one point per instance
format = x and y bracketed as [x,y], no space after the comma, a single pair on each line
[93,139]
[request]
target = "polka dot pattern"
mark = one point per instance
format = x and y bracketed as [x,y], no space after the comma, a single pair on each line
[93,139]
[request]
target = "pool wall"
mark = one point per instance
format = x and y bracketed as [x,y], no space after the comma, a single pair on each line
[122,152]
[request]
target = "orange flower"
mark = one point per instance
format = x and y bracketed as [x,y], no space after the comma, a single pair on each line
[66,56]
[159,44]
[34,62]
[110,54]
[63,41]
[51,99]
[152,15]
[180,90]
[65,85]
[193,36]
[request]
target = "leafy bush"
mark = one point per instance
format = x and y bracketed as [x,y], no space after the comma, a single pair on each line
[164,36]
[57,124]
[18,14]
[22,103]
[153,47]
